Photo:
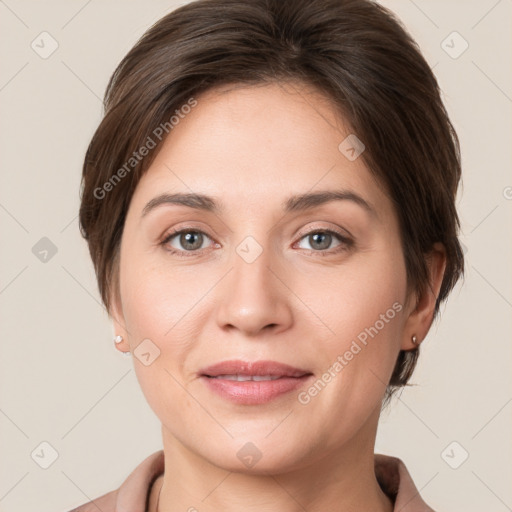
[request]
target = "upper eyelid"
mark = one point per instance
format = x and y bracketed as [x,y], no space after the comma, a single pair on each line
[338,231]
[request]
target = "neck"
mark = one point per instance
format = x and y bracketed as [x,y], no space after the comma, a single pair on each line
[344,479]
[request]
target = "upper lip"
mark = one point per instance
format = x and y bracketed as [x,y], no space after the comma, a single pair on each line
[238,367]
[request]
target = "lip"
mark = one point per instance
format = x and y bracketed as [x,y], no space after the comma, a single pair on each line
[288,379]
[239,367]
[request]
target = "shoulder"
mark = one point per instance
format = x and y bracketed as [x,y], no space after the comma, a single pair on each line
[133,492]
[105,503]
[396,481]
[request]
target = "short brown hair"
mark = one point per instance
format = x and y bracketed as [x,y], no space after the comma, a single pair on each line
[356,52]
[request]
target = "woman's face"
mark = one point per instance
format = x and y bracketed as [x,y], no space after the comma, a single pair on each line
[319,285]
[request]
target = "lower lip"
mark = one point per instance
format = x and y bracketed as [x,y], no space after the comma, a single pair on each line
[252,392]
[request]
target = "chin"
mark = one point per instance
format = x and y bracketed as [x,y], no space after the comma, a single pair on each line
[260,454]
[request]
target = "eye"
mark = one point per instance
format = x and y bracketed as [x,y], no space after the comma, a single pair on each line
[190,240]
[321,239]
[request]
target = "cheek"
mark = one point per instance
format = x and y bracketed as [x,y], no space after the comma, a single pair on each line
[364,313]
[162,307]
[357,297]
[159,299]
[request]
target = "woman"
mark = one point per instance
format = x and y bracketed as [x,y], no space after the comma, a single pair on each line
[269,204]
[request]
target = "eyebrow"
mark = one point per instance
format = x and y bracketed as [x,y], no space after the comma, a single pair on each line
[301,202]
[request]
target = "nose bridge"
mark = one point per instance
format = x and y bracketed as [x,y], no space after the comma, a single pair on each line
[253,298]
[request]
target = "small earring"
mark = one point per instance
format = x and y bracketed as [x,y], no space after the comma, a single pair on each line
[118,339]
[414,339]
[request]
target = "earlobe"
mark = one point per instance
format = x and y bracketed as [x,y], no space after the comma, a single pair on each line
[421,318]
[120,331]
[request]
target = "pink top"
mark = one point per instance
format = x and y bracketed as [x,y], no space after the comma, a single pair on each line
[133,494]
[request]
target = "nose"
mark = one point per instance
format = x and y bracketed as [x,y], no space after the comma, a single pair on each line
[254,297]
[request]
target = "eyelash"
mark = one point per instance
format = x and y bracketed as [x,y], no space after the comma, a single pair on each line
[346,243]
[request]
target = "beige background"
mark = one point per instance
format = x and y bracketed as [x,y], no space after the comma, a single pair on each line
[63,382]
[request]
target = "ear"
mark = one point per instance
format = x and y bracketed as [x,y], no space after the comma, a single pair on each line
[117,316]
[422,314]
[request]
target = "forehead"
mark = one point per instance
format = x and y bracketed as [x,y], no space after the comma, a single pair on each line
[249,144]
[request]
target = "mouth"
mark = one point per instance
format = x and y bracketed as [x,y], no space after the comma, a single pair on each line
[252,383]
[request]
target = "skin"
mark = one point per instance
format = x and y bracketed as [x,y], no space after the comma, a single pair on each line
[251,148]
